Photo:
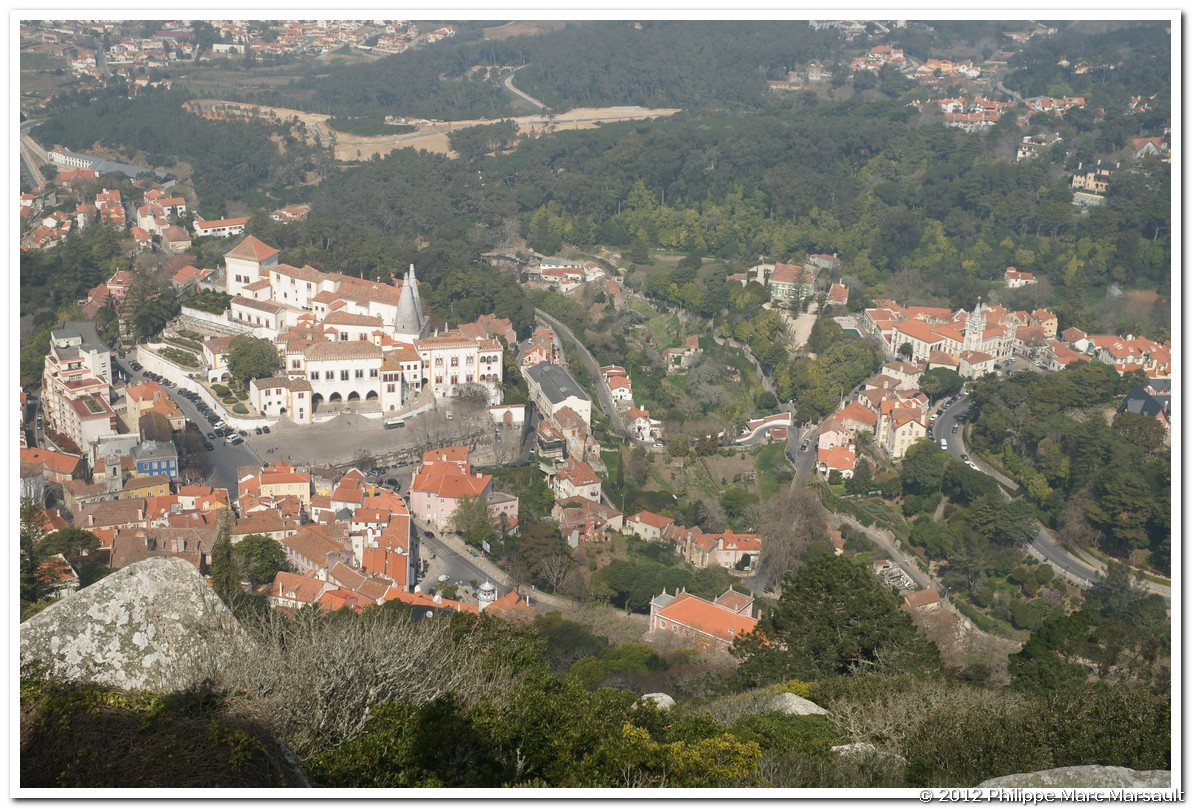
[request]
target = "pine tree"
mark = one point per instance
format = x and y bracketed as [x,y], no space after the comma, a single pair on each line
[224,577]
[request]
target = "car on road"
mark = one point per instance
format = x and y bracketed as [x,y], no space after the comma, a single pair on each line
[257,430]
[931,433]
[944,444]
[265,429]
[964,458]
[136,366]
[955,428]
[207,445]
[444,578]
[973,466]
[211,435]
[803,446]
[244,433]
[233,440]
[377,471]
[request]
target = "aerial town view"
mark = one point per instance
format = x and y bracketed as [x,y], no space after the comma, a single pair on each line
[629,405]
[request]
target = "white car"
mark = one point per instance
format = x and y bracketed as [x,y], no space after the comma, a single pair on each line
[444,578]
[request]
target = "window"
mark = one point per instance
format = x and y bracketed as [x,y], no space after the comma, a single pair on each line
[301,395]
[314,376]
[454,362]
[343,335]
[372,373]
[469,378]
[343,375]
[360,373]
[391,388]
[471,359]
[438,380]
[296,364]
[455,379]
[438,362]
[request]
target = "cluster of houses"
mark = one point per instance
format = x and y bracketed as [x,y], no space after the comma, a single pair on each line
[563,276]
[794,282]
[890,405]
[728,549]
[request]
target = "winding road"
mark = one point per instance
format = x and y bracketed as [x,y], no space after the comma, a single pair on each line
[507,83]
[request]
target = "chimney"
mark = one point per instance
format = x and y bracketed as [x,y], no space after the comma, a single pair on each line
[438,598]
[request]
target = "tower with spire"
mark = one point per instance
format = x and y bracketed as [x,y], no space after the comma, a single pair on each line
[974,328]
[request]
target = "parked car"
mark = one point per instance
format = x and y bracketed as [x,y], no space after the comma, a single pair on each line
[393,483]
[211,435]
[265,429]
[232,440]
[444,578]
[955,427]
[377,471]
[257,430]
[964,458]
[207,445]
[244,433]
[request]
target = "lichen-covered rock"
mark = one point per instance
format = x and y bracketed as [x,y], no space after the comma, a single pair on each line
[664,702]
[1091,776]
[795,705]
[152,625]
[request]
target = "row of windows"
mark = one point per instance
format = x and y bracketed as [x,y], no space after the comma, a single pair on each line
[344,375]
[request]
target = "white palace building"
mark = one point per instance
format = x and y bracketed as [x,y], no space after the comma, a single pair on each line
[346,339]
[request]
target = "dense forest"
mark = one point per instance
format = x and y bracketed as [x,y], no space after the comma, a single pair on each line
[917,211]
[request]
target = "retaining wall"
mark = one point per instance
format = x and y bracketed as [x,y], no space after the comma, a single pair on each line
[181,377]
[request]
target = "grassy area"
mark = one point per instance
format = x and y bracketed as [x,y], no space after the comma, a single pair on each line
[40,61]
[773,471]
[665,330]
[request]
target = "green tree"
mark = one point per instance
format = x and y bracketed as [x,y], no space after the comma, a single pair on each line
[149,303]
[252,358]
[70,542]
[225,578]
[473,521]
[34,586]
[940,382]
[923,468]
[834,617]
[258,558]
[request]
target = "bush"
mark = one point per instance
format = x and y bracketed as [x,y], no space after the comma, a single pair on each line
[221,390]
[229,400]
[240,409]
[242,396]
[179,357]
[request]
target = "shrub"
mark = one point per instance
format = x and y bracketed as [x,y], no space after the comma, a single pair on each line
[179,357]
[239,409]
[221,390]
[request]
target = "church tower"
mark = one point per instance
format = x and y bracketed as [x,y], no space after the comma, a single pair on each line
[974,328]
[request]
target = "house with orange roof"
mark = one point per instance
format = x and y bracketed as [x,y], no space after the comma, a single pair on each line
[440,486]
[1016,279]
[574,478]
[711,625]
[582,520]
[192,545]
[648,525]
[899,427]
[275,480]
[316,547]
[837,459]
[230,226]
[57,467]
[857,417]
[790,281]
[729,550]
[837,295]
[293,592]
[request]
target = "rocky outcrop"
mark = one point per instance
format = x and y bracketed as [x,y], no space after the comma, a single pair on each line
[789,703]
[664,702]
[153,625]
[1092,776]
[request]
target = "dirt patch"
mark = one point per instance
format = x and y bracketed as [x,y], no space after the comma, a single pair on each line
[517,29]
[429,135]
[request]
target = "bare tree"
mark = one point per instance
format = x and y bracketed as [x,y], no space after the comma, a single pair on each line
[314,679]
[556,570]
[793,522]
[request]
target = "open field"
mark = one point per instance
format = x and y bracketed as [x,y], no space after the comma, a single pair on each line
[522,28]
[428,135]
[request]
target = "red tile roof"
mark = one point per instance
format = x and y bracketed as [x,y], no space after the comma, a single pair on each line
[707,617]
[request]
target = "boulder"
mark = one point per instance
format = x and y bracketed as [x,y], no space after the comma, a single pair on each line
[153,625]
[793,704]
[1090,776]
[664,701]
